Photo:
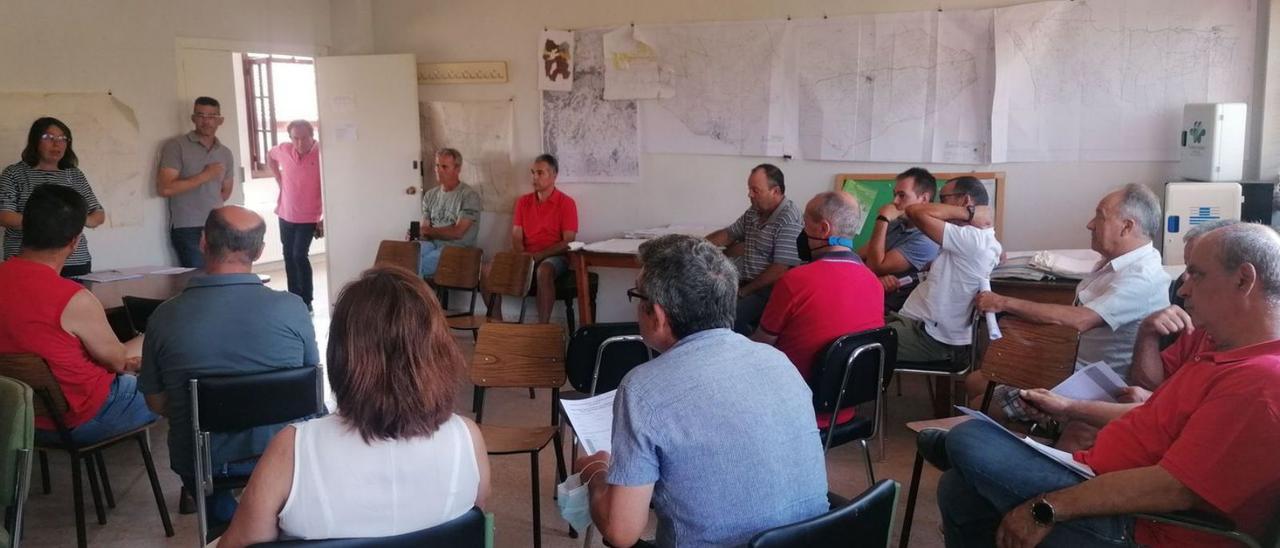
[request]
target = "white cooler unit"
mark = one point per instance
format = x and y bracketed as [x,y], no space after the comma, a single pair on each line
[1212,141]
[1187,204]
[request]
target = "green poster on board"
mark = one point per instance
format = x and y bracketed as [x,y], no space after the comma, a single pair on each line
[871,194]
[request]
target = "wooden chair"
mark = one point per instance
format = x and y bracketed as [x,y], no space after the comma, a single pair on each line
[1029,355]
[459,269]
[522,356]
[398,253]
[51,403]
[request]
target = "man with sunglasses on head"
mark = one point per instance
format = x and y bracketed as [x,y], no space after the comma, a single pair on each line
[197,174]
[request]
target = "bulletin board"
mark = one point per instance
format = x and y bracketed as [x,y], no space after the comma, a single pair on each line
[873,190]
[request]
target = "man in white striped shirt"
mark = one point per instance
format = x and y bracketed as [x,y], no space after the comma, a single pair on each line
[762,243]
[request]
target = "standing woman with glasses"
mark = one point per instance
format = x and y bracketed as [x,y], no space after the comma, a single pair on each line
[48,159]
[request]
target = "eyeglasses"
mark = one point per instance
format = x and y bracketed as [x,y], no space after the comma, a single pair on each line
[55,138]
[634,293]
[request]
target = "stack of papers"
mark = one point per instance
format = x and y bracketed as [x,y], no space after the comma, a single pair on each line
[108,276]
[1052,263]
[688,230]
[1093,382]
[623,246]
[592,421]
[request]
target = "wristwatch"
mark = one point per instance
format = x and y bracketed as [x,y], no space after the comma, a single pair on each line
[883,218]
[970,209]
[1042,512]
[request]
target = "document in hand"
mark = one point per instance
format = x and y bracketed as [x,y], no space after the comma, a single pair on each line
[1061,457]
[592,421]
[1094,382]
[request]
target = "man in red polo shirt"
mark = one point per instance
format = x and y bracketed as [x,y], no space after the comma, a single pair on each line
[545,221]
[1206,439]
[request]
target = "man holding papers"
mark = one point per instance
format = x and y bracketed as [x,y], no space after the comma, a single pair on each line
[1205,440]
[718,432]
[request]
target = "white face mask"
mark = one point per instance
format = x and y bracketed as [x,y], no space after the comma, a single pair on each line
[574,500]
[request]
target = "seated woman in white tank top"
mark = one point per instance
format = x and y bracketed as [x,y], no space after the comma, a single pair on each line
[394,458]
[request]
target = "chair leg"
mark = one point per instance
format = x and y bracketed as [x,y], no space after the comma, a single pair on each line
[44,472]
[532,394]
[477,402]
[568,316]
[145,445]
[77,501]
[866,454]
[911,501]
[987,394]
[537,508]
[558,441]
[106,481]
[94,489]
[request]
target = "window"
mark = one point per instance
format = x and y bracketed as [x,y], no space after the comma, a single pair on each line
[278,89]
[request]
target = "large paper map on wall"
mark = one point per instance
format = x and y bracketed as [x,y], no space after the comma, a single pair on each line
[481,131]
[898,87]
[596,141]
[105,139]
[730,87]
[1107,80]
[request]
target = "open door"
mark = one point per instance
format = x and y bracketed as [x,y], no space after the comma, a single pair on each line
[369,157]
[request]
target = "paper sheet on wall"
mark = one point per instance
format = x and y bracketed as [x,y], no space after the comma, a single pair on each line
[1106,81]
[732,89]
[482,132]
[105,138]
[631,69]
[900,87]
[592,421]
[596,141]
[555,60]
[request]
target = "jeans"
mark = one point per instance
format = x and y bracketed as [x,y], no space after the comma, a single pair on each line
[429,252]
[186,243]
[750,309]
[296,238]
[992,473]
[124,410]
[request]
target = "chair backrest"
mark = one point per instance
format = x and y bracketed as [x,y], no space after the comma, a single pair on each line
[1029,355]
[466,531]
[518,355]
[459,268]
[398,253]
[139,310]
[17,433]
[849,372]
[864,521]
[510,274]
[121,327]
[601,354]
[31,370]
[234,403]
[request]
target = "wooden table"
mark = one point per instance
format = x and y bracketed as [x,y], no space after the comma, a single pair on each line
[581,260]
[1058,291]
[151,286]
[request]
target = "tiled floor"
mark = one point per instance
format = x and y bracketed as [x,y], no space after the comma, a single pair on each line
[135,523]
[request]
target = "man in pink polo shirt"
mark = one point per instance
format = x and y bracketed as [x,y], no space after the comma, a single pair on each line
[296,166]
[545,221]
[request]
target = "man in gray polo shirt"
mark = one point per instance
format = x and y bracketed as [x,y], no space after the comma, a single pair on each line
[762,243]
[224,323]
[196,174]
[450,213]
[719,431]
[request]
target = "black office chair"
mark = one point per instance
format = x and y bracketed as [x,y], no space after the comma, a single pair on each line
[864,521]
[854,370]
[139,310]
[617,344]
[470,530]
[238,403]
[1218,526]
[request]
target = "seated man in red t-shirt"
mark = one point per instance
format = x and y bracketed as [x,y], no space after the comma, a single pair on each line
[544,223]
[1205,440]
[834,295]
[55,318]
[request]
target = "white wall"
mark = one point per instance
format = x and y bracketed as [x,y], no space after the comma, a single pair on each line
[1047,204]
[128,48]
